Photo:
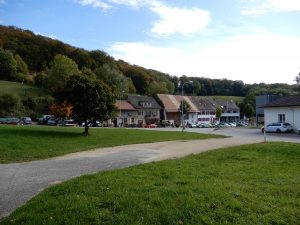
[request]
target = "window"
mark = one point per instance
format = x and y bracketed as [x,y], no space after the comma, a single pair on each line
[281,118]
[145,104]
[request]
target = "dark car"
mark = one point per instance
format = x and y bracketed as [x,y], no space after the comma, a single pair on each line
[52,121]
[44,119]
[13,121]
[26,120]
[3,120]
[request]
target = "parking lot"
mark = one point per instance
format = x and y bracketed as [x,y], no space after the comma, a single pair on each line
[243,132]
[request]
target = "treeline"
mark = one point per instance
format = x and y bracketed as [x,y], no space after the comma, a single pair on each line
[38,52]
[31,58]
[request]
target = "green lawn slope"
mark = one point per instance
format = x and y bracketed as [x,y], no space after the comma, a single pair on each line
[252,184]
[236,99]
[23,90]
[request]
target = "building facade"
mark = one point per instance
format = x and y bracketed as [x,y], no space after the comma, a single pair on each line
[261,101]
[285,109]
[206,109]
[230,111]
[148,110]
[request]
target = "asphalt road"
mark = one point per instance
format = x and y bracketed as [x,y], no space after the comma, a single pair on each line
[19,182]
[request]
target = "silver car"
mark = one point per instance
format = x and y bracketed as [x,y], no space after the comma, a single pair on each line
[278,127]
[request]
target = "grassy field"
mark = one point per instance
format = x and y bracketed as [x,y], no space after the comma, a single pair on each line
[23,90]
[251,184]
[26,143]
[236,99]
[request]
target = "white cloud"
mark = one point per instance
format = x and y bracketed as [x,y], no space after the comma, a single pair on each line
[171,19]
[254,58]
[94,3]
[179,20]
[263,6]
[133,3]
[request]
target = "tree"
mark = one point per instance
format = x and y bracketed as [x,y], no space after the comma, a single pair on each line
[91,99]
[22,69]
[218,113]
[186,107]
[249,110]
[297,79]
[10,104]
[8,65]
[82,58]
[115,78]
[62,110]
[61,69]
[40,79]
[21,65]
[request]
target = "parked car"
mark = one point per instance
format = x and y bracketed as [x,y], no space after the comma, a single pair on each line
[92,123]
[224,125]
[278,127]
[69,123]
[26,121]
[13,121]
[232,124]
[152,125]
[3,120]
[52,121]
[192,125]
[203,125]
[242,124]
[43,120]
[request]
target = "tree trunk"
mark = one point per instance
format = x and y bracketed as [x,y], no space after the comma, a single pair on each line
[86,127]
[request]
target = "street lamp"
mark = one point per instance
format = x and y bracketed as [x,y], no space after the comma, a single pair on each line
[182,121]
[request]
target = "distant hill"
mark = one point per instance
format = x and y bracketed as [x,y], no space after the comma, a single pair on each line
[38,52]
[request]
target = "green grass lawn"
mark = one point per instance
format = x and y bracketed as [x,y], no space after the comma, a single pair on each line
[25,143]
[251,184]
[236,99]
[23,90]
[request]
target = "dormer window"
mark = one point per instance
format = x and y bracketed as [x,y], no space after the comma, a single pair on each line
[146,104]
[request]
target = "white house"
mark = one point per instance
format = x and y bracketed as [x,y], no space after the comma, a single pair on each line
[285,109]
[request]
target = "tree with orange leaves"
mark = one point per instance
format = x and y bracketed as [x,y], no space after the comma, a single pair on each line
[62,110]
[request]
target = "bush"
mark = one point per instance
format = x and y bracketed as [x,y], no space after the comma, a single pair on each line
[10,104]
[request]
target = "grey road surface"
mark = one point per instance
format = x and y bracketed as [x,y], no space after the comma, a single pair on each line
[19,182]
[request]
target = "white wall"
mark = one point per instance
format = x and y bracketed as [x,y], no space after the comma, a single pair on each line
[192,118]
[292,115]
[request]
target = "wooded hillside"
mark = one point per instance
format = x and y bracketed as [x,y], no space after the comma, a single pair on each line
[47,63]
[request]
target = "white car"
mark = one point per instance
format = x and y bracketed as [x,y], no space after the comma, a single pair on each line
[192,125]
[278,127]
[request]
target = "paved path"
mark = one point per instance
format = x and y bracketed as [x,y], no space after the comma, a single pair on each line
[19,182]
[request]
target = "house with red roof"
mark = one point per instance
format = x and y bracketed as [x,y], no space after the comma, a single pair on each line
[127,115]
[171,108]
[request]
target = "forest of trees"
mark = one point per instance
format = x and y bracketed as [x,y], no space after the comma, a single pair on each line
[47,63]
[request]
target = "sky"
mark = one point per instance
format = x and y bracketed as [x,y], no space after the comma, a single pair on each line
[250,40]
